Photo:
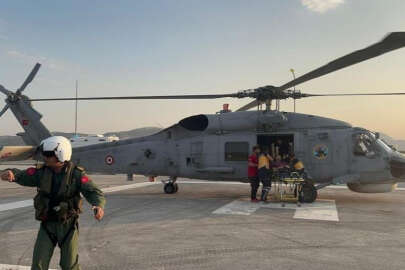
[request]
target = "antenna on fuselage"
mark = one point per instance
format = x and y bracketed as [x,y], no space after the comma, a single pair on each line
[77,86]
[293,73]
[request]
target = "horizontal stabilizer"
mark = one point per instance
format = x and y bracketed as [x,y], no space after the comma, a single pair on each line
[16,153]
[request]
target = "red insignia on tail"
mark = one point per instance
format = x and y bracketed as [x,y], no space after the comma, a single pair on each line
[31,171]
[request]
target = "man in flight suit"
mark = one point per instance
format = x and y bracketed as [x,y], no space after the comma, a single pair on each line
[58,202]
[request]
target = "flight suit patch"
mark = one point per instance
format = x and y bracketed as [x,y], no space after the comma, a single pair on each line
[31,171]
[85,179]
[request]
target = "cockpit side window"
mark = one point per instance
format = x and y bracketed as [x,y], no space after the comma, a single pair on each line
[363,145]
[387,145]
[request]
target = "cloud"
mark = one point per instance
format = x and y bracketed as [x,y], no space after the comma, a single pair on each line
[321,6]
[24,57]
[30,59]
[3,37]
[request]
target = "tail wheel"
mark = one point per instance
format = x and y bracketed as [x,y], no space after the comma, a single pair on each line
[308,193]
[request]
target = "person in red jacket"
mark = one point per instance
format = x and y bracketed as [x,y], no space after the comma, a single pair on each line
[252,173]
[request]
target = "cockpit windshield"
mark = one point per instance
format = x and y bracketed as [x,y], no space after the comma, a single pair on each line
[383,144]
[364,144]
[387,147]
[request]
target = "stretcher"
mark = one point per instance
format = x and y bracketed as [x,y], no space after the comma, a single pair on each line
[287,188]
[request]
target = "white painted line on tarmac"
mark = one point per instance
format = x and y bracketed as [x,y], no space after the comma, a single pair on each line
[15,205]
[319,210]
[336,187]
[15,267]
[131,186]
[211,182]
[345,187]
[26,203]
[238,207]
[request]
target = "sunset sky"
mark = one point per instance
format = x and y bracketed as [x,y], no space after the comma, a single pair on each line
[120,48]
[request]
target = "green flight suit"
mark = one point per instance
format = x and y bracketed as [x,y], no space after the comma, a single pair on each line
[52,231]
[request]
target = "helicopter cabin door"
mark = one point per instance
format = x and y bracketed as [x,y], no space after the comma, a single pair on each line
[278,145]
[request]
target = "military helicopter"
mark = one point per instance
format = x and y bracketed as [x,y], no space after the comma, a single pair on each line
[216,146]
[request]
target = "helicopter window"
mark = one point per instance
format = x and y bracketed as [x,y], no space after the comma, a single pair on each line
[363,145]
[236,151]
[384,145]
[387,146]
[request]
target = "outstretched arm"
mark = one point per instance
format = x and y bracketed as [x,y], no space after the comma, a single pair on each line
[28,177]
[8,175]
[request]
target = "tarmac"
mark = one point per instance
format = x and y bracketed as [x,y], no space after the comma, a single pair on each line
[213,225]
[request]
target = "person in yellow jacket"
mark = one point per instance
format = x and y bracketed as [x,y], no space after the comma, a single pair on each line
[296,165]
[264,172]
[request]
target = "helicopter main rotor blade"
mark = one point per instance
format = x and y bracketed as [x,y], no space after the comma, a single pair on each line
[4,90]
[392,41]
[303,95]
[353,94]
[4,110]
[29,79]
[140,97]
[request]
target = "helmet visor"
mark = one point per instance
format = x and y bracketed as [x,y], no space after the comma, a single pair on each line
[48,154]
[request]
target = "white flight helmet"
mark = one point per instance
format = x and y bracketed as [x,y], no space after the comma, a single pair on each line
[60,145]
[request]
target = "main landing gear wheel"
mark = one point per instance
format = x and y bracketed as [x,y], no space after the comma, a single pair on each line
[308,193]
[170,188]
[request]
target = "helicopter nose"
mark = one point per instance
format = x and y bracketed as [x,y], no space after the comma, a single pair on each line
[398,167]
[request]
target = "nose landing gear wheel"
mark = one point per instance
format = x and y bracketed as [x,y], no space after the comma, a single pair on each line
[170,188]
[308,193]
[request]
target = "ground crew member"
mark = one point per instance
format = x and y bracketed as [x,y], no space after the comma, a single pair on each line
[252,173]
[283,148]
[264,172]
[58,202]
[296,165]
